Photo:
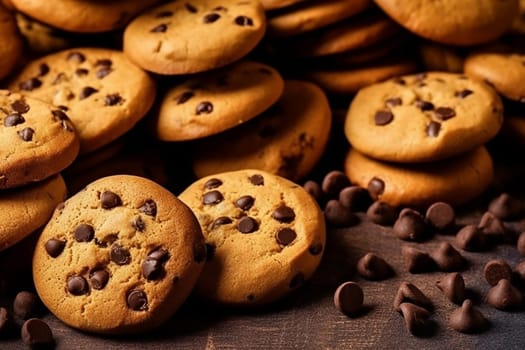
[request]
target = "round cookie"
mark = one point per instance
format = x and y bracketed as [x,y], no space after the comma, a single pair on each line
[265,236]
[456,180]
[83,16]
[11,43]
[312,15]
[104,93]
[288,139]
[124,244]
[423,117]
[212,102]
[189,37]
[37,140]
[467,22]
[32,206]
[505,70]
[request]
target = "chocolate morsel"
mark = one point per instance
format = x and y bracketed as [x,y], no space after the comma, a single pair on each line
[348,298]
[453,286]
[495,270]
[373,267]
[468,319]
[36,333]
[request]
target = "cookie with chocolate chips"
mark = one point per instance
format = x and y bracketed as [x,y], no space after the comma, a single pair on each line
[37,140]
[265,234]
[455,180]
[103,92]
[11,42]
[194,36]
[287,139]
[118,257]
[212,102]
[423,117]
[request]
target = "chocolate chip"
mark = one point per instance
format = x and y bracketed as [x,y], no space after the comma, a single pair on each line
[159,254]
[504,296]
[495,270]
[138,224]
[356,198]
[105,62]
[108,239]
[283,214]
[26,134]
[453,286]
[61,77]
[81,72]
[410,226]
[349,298]
[30,84]
[444,113]
[120,255]
[471,238]
[113,99]
[204,107]
[297,280]
[417,261]
[13,119]
[433,129]
[373,267]
[376,187]
[447,258]
[161,28]
[20,106]
[493,228]
[200,252]
[247,224]
[285,236]
[149,207]
[520,244]
[505,206]
[424,105]
[221,220]
[43,69]
[245,202]
[463,93]
[334,181]
[76,56]
[36,333]
[416,318]
[211,17]
[6,323]
[99,279]
[409,293]
[60,116]
[337,215]
[110,200]
[103,72]
[441,216]
[190,8]
[383,117]
[468,319]
[394,101]
[381,213]
[77,285]
[212,183]
[25,305]
[243,21]
[316,249]
[54,247]
[152,269]
[86,92]
[165,13]
[137,300]
[257,180]
[314,189]
[84,233]
[212,197]
[185,96]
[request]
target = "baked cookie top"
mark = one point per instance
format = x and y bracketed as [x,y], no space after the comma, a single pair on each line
[119,256]
[211,102]
[103,92]
[11,42]
[37,140]
[33,205]
[467,22]
[265,235]
[423,117]
[193,36]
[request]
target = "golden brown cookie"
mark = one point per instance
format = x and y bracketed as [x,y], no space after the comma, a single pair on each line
[194,36]
[437,57]
[265,236]
[455,180]
[119,257]
[11,42]
[288,139]
[103,92]
[423,117]
[212,102]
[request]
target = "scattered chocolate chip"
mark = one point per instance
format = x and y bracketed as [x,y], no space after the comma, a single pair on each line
[245,202]
[376,187]
[410,226]
[349,298]
[334,181]
[297,280]
[504,296]
[463,93]
[316,249]
[120,255]
[200,252]
[338,215]
[152,269]
[444,113]
[149,207]
[493,228]
[113,99]
[520,244]
[314,189]
[204,107]
[441,216]
[471,238]
[505,206]
[81,72]
[77,285]
[416,318]
[433,129]
[76,56]
[392,102]
[285,236]
[383,117]
[86,92]
[20,106]
[161,28]
[84,233]
[54,247]
[36,333]
[356,198]
[257,180]
[190,8]
[137,300]
[409,293]
[373,267]
[243,21]
[110,200]
[424,105]
[284,214]
[99,279]
[211,17]
[417,261]
[453,286]
[495,270]
[25,305]
[212,183]
[247,224]
[468,319]
[30,84]
[6,323]
[447,258]
[43,69]
[212,197]
[381,213]
[26,134]
[13,119]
